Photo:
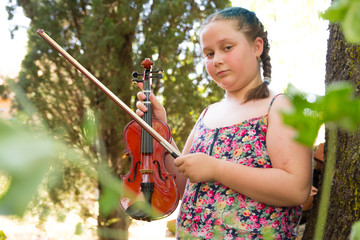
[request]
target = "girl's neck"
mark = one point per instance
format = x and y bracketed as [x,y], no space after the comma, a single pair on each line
[240,95]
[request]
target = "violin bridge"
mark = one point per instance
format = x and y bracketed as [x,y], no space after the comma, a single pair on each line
[145,171]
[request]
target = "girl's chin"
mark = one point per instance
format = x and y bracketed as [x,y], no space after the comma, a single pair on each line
[224,84]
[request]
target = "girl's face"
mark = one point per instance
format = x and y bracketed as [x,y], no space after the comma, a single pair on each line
[230,59]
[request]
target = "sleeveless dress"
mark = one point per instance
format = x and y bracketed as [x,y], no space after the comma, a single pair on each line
[210,210]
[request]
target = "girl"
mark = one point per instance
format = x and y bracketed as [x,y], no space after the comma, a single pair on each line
[245,174]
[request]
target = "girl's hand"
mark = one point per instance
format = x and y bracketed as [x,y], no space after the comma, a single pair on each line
[198,167]
[158,111]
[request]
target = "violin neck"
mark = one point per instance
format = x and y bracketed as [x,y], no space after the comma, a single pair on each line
[146,138]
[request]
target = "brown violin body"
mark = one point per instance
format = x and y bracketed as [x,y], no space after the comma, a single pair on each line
[148,168]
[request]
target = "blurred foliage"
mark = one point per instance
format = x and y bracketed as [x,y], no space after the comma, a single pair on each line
[78,229]
[347,14]
[269,233]
[337,106]
[2,235]
[21,155]
[355,231]
[171,226]
[32,159]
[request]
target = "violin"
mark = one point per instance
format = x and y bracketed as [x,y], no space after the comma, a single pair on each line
[148,191]
[154,193]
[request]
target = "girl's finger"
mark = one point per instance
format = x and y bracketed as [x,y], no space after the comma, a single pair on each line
[139,113]
[178,162]
[141,106]
[141,96]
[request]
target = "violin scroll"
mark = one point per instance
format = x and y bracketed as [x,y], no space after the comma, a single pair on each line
[147,63]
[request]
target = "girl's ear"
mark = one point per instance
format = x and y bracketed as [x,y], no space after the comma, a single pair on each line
[258,46]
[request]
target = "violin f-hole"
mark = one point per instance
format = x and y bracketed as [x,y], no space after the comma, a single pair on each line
[159,171]
[135,172]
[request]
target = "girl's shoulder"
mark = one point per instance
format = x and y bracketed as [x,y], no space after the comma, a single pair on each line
[279,102]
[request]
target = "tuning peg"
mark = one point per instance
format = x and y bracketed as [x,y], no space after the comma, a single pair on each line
[157,74]
[157,71]
[136,74]
[137,80]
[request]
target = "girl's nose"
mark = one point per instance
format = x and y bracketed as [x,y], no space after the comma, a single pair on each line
[218,59]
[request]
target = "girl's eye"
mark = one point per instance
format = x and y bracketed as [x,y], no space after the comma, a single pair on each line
[227,48]
[209,55]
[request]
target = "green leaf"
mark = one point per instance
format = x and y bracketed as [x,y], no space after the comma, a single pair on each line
[78,228]
[306,117]
[25,158]
[337,11]
[269,233]
[110,195]
[351,23]
[347,13]
[338,106]
[108,201]
[2,235]
[355,231]
[89,127]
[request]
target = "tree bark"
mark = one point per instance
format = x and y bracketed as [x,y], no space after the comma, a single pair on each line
[342,64]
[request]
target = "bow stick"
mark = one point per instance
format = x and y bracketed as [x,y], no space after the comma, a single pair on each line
[171,149]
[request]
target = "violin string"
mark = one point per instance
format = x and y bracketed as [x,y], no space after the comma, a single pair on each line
[147,117]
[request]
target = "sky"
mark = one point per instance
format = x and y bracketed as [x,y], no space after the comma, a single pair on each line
[297,35]
[12,50]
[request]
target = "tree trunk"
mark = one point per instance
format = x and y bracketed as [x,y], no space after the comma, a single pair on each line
[343,64]
[115,226]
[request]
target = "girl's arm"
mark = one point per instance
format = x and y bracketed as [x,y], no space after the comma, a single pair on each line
[288,183]
[169,162]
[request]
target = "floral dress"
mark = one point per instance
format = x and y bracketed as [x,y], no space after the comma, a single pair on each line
[210,210]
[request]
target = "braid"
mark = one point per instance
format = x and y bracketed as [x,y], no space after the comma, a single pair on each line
[265,58]
[251,26]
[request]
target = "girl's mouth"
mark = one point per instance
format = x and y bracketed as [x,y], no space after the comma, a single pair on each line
[221,73]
